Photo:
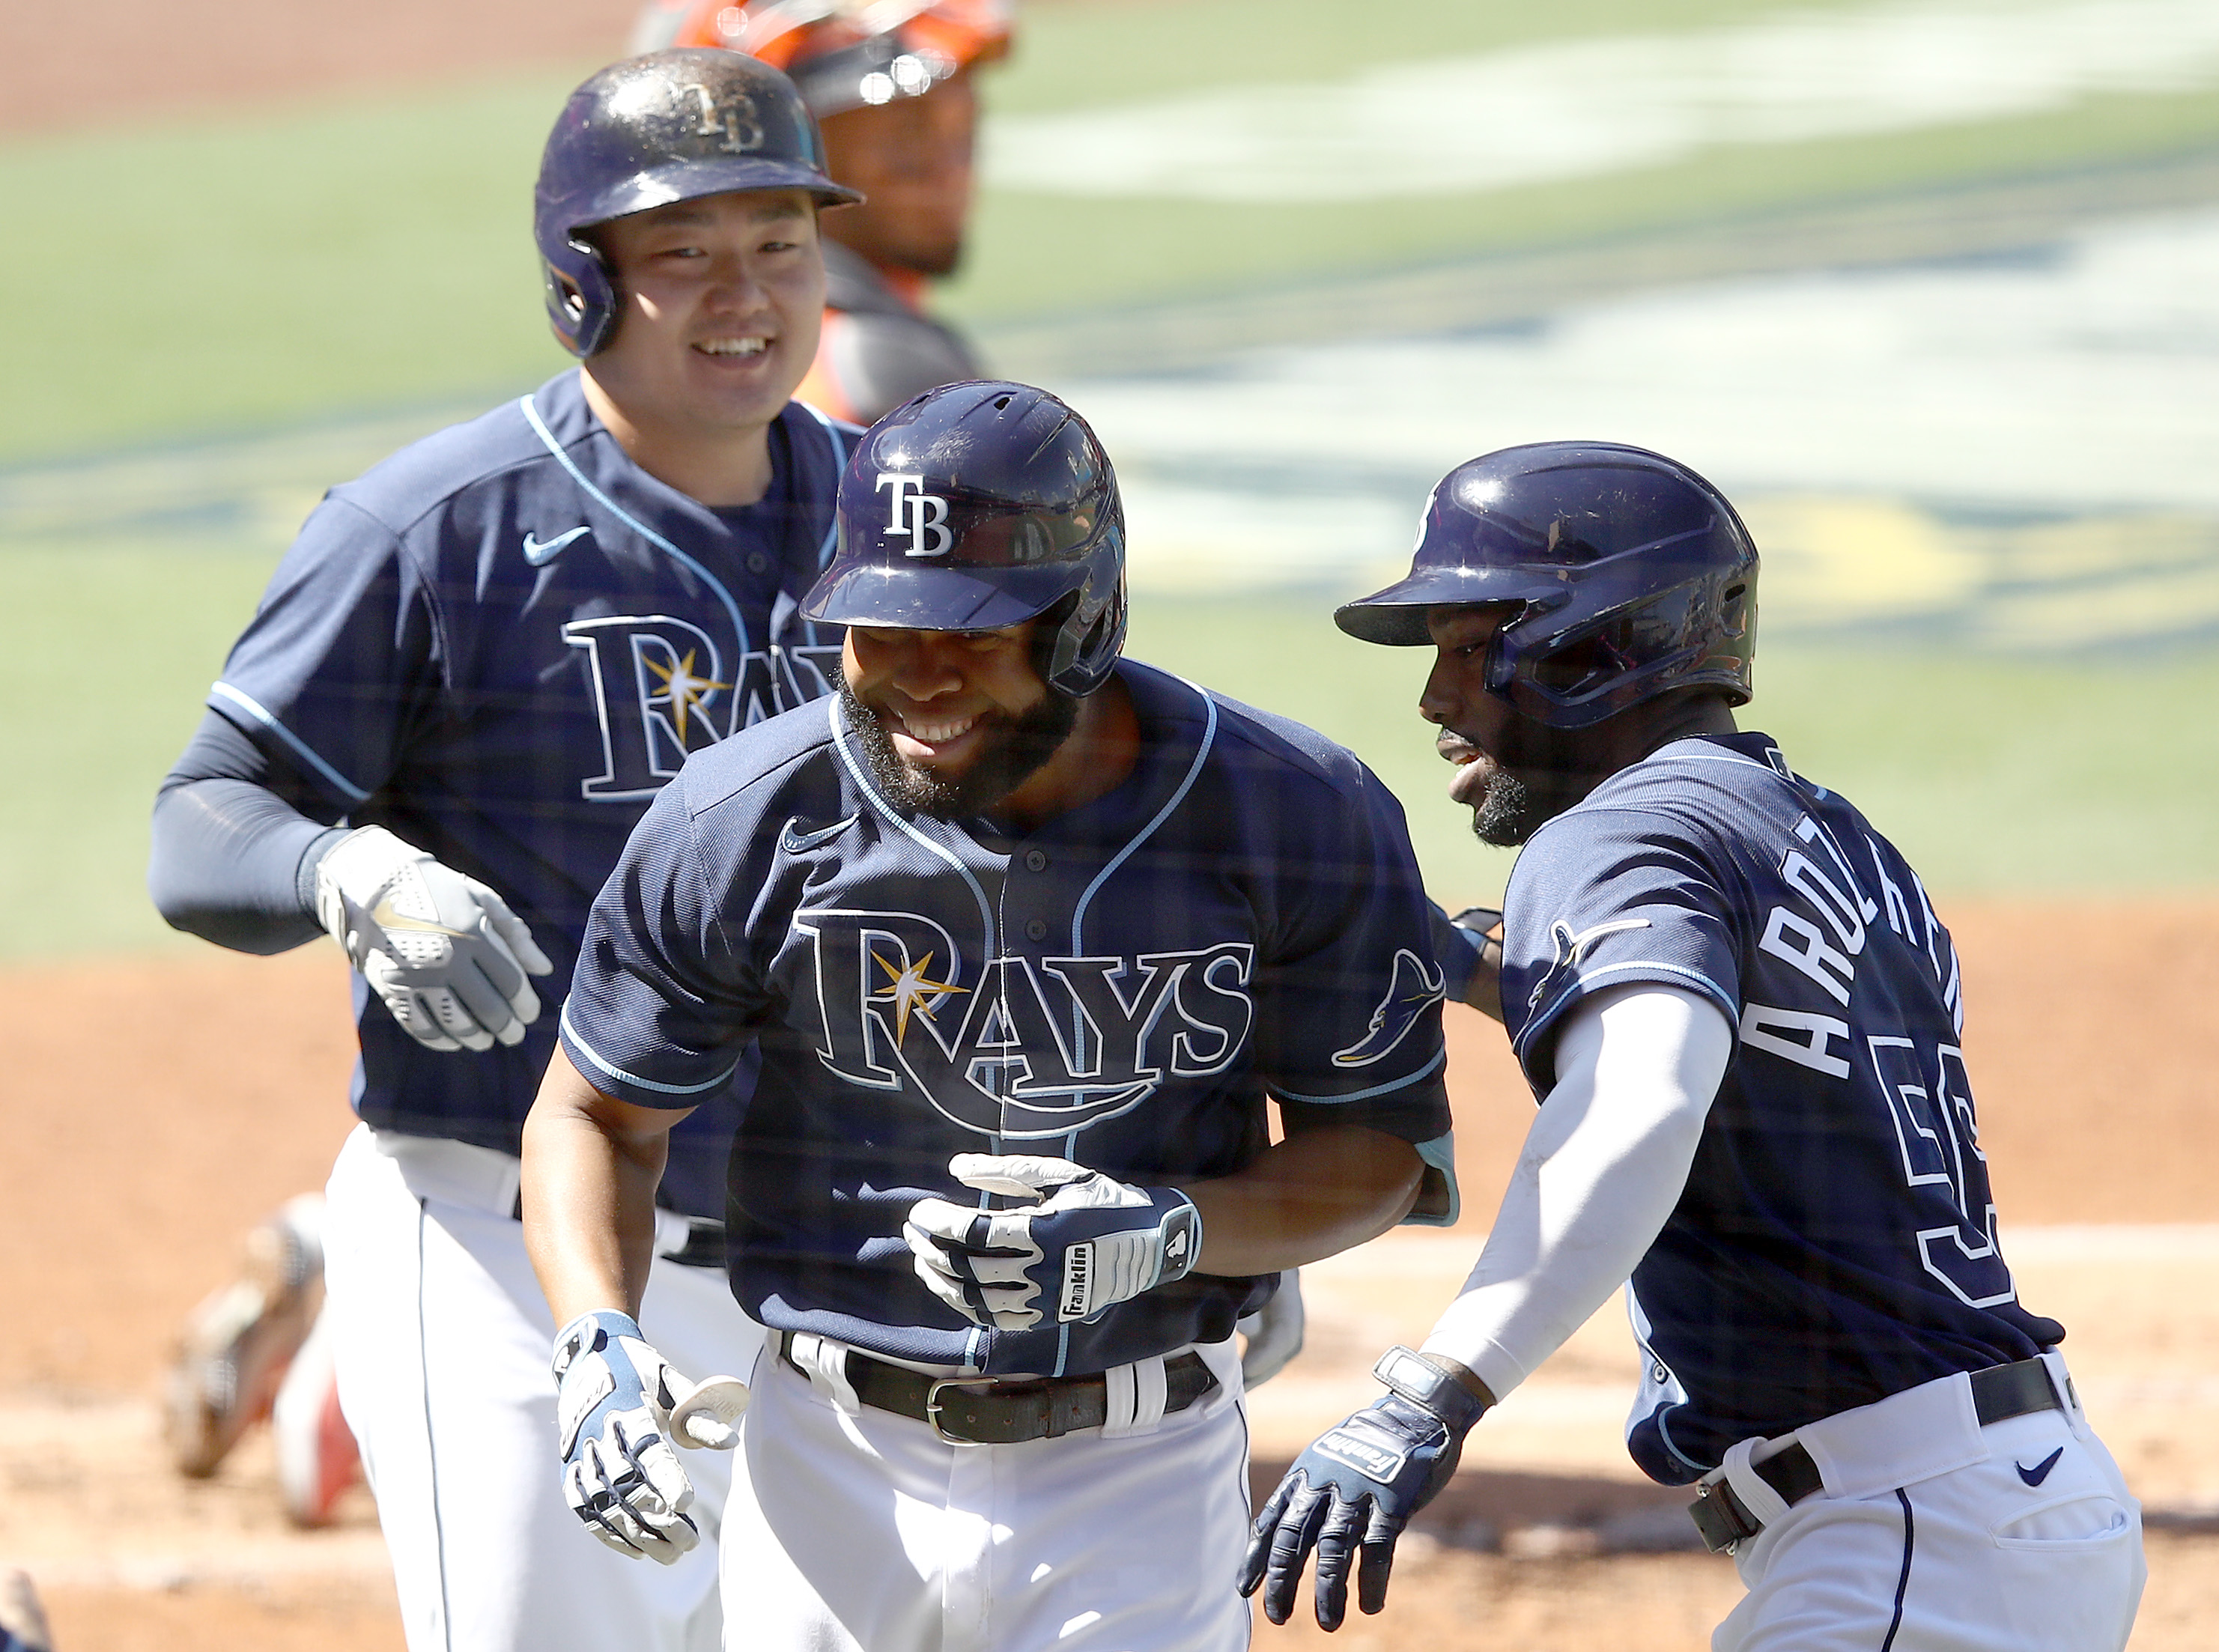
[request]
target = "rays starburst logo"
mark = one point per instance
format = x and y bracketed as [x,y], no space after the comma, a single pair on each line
[683,694]
[911,988]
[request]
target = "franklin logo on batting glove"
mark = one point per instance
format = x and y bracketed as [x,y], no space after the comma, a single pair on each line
[1089,1242]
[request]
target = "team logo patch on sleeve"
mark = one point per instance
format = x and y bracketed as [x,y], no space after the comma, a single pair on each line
[1413,987]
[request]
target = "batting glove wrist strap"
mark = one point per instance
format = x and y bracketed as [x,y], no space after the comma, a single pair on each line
[1084,1243]
[442,952]
[1349,1495]
[620,1470]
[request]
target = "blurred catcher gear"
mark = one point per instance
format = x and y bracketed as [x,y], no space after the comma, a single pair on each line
[442,952]
[237,1344]
[671,125]
[1629,574]
[841,54]
[317,1457]
[978,506]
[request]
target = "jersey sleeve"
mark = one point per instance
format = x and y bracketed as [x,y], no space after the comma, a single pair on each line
[1349,999]
[341,662]
[1604,898]
[662,1009]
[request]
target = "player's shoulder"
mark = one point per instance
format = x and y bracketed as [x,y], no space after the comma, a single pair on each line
[751,771]
[498,447]
[1241,738]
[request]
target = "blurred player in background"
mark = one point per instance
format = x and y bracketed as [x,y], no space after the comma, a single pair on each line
[891,84]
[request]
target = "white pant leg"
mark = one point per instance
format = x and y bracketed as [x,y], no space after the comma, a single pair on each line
[865,1533]
[1974,1560]
[442,1340]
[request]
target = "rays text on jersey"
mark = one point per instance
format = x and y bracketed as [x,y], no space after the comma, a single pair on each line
[1025,1048]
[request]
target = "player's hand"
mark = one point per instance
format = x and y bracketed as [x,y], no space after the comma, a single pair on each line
[1087,1241]
[618,1409]
[1355,1488]
[1274,1332]
[441,951]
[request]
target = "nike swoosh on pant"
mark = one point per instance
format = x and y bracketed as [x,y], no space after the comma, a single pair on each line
[2039,1472]
[539,554]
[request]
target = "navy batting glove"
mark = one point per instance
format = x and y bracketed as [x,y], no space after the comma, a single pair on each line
[1352,1493]
[1090,1241]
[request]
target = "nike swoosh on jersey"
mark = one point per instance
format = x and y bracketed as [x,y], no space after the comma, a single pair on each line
[2039,1472]
[794,843]
[540,555]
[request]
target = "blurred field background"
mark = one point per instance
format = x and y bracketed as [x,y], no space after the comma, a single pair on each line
[1930,288]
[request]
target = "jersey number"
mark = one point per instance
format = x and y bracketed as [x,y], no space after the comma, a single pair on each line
[1932,1106]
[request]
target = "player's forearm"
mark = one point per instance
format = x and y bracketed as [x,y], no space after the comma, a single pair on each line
[227,864]
[1312,1196]
[590,1167]
[1604,1164]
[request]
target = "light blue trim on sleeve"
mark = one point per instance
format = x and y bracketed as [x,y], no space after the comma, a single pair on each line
[1404,1082]
[297,745]
[1439,1156]
[571,1033]
[839,464]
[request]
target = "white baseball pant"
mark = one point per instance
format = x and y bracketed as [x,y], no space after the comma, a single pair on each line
[442,1340]
[854,1530]
[1932,1534]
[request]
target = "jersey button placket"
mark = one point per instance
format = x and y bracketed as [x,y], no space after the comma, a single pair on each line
[1036,929]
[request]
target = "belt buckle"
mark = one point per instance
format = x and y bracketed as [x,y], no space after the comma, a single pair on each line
[932,1407]
[1719,1518]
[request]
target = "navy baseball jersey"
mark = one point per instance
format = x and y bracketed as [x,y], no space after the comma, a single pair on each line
[1836,1242]
[501,643]
[1121,986]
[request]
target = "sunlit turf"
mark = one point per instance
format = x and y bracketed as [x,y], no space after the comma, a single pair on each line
[366,253]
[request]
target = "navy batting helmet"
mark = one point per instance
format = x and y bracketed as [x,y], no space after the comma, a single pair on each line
[979,505]
[1630,575]
[671,125]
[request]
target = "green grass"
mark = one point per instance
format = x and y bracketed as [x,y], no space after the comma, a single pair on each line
[288,262]
[101,692]
[1992,776]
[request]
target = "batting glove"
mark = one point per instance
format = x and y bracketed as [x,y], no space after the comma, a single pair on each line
[619,1407]
[441,951]
[1356,1487]
[1089,1242]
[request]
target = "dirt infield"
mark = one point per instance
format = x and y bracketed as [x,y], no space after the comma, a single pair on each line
[155,1108]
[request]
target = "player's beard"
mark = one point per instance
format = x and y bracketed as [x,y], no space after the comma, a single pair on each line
[1013,755]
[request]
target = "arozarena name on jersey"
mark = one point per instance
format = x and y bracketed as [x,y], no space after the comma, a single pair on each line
[1034,1047]
[661,689]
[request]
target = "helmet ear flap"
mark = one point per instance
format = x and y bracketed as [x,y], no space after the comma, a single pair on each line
[582,301]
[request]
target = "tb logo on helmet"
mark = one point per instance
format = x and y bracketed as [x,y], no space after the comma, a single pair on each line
[921,515]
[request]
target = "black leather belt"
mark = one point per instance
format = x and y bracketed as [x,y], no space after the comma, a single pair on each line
[1001,1410]
[1999,1392]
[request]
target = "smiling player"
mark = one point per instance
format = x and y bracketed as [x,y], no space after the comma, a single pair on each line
[1030,937]
[476,666]
[1743,1023]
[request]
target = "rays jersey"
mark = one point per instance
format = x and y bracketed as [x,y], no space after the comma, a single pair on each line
[1121,986]
[1836,1242]
[501,643]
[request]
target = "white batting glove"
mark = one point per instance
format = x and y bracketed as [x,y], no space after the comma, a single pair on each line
[1274,1332]
[441,951]
[1088,1242]
[618,1409]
